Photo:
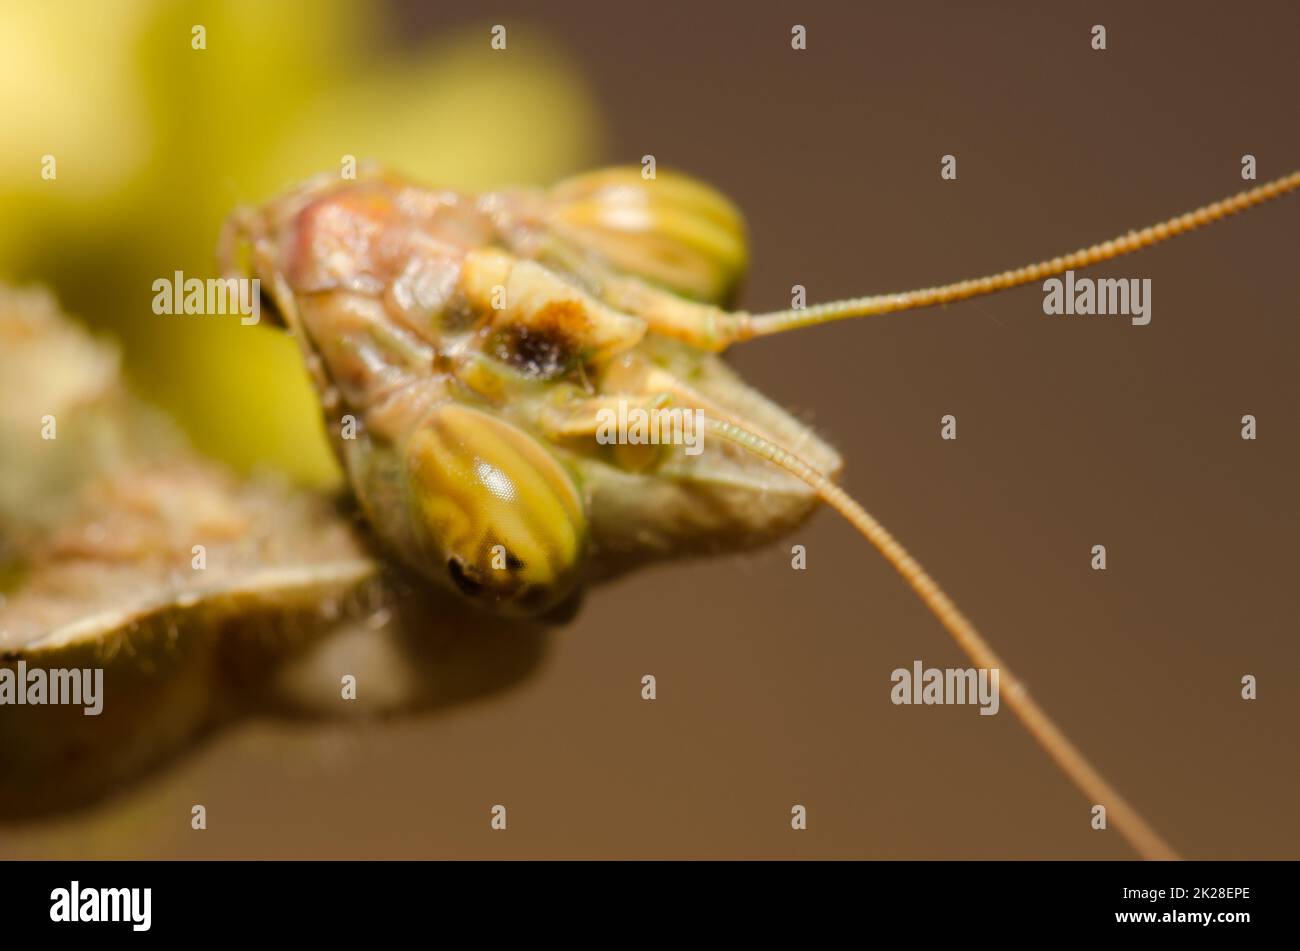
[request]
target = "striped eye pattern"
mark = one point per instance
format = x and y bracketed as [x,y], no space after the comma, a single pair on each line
[498,518]
[670,230]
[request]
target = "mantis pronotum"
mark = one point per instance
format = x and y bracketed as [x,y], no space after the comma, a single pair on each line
[465,349]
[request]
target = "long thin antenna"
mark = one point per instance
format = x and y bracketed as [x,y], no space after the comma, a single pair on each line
[762,325]
[1126,819]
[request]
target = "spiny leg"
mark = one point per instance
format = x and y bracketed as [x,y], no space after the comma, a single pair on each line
[1067,756]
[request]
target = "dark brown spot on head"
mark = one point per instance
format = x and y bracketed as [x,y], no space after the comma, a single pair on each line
[542,352]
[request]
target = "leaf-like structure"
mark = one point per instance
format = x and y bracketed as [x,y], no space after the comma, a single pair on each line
[199,594]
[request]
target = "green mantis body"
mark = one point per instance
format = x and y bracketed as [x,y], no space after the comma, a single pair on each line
[468,349]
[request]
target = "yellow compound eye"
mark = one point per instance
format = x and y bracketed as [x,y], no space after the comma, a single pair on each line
[670,230]
[497,516]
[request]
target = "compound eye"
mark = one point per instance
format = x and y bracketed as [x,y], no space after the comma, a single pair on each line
[496,513]
[673,231]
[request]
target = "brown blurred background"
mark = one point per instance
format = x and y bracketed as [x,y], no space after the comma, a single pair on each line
[774,684]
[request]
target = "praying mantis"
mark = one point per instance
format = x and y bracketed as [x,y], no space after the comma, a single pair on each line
[466,349]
